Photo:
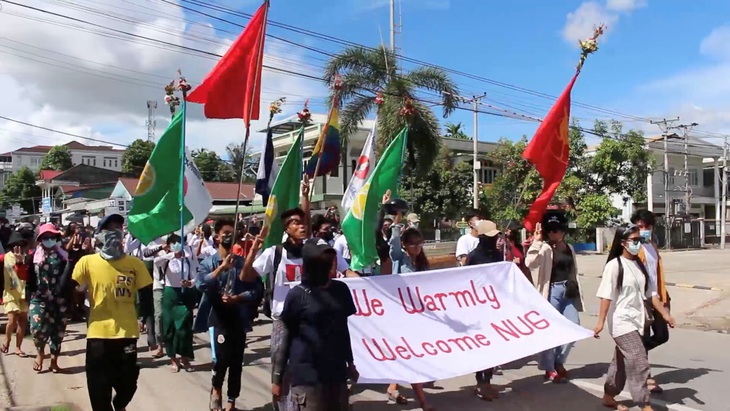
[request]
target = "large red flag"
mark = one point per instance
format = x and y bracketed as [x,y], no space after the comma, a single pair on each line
[548,152]
[233,88]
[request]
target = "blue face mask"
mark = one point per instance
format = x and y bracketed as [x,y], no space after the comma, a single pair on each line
[633,248]
[646,235]
[49,243]
[176,247]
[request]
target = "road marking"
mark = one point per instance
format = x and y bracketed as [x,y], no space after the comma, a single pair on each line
[626,396]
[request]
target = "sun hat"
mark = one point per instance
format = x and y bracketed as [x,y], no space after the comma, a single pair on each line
[488,228]
[46,229]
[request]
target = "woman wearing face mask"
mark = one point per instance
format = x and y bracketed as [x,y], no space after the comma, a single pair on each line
[16,266]
[407,256]
[177,267]
[627,294]
[557,281]
[48,285]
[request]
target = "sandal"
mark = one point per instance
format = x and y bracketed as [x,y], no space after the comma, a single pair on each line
[21,354]
[5,348]
[613,404]
[216,403]
[653,387]
[397,398]
[186,365]
[174,368]
[38,367]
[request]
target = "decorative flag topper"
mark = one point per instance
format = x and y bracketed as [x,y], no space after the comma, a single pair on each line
[275,107]
[408,110]
[182,83]
[379,98]
[337,83]
[305,115]
[589,45]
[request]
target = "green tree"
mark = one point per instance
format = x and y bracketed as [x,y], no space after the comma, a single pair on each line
[368,75]
[58,158]
[211,166]
[621,163]
[454,131]
[238,158]
[20,188]
[136,156]
[445,191]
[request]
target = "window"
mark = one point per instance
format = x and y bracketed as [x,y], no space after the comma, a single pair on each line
[671,175]
[109,162]
[693,178]
[35,161]
[88,160]
[488,172]
[116,163]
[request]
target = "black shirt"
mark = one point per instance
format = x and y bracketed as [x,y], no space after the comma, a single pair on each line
[319,338]
[562,264]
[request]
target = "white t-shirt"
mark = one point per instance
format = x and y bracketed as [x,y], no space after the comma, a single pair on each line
[342,248]
[652,265]
[626,313]
[176,269]
[466,244]
[288,271]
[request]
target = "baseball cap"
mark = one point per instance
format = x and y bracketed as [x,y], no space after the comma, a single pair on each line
[413,218]
[108,219]
[315,248]
[488,228]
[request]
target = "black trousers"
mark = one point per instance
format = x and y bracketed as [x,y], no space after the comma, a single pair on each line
[323,397]
[228,346]
[659,332]
[111,364]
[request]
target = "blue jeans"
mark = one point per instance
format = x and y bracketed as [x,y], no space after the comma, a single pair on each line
[565,306]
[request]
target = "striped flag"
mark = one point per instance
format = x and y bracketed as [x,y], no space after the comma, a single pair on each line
[361,173]
[268,169]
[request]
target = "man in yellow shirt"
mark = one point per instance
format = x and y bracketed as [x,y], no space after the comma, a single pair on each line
[113,279]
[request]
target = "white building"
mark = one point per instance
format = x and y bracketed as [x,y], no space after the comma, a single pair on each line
[328,190]
[704,166]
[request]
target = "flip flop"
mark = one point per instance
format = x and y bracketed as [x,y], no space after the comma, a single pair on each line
[37,367]
[216,403]
[5,348]
[21,354]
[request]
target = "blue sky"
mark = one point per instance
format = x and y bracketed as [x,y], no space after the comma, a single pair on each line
[659,58]
[525,43]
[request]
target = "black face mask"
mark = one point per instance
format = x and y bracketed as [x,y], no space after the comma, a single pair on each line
[328,236]
[227,241]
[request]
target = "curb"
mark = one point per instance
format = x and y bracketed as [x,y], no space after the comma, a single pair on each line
[6,399]
[679,285]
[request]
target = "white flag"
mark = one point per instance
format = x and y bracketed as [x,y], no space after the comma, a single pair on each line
[365,165]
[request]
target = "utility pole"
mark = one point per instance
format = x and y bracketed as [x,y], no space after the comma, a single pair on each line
[686,128]
[723,206]
[664,126]
[392,25]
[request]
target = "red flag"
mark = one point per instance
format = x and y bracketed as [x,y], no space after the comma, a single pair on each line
[233,88]
[548,152]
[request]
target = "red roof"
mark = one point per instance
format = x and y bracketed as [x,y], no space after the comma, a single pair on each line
[50,174]
[219,191]
[72,145]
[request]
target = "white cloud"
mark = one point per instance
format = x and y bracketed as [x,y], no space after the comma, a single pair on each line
[79,82]
[580,23]
[698,94]
[625,5]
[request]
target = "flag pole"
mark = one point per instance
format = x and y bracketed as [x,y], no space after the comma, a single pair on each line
[259,57]
[184,87]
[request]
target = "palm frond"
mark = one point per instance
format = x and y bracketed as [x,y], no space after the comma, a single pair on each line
[435,79]
[353,113]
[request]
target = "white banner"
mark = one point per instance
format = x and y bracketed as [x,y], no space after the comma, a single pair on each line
[446,323]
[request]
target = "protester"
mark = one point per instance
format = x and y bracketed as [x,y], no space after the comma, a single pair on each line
[316,352]
[113,279]
[231,299]
[323,229]
[342,248]
[515,253]
[154,325]
[16,267]
[469,241]
[77,245]
[627,296]
[649,255]
[176,265]
[485,252]
[48,285]
[557,281]
[407,256]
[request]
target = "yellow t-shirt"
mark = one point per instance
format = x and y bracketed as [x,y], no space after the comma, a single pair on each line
[112,289]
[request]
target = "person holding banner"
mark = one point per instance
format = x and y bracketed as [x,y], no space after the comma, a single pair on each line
[628,297]
[407,256]
[557,281]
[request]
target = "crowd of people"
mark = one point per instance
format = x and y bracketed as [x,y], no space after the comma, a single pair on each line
[215,280]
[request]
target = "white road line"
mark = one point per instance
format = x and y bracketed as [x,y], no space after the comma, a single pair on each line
[626,396]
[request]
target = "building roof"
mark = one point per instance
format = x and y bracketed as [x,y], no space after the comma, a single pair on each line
[72,145]
[50,174]
[218,191]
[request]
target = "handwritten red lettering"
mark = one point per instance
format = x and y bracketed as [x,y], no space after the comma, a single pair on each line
[383,355]
[370,307]
[540,324]
[403,352]
[414,302]
[415,354]
[483,340]
[383,350]
[429,348]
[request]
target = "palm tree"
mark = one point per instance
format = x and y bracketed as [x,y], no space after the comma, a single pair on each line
[236,159]
[369,75]
[455,131]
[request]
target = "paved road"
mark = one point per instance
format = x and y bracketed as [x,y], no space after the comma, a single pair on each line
[692,367]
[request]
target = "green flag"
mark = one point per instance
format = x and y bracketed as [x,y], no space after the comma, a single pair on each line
[285,191]
[361,221]
[156,208]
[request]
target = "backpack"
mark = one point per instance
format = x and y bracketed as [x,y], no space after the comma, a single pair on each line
[270,281]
